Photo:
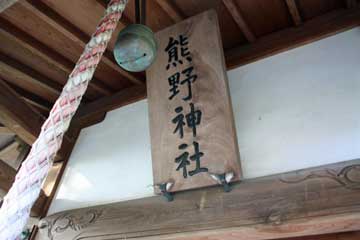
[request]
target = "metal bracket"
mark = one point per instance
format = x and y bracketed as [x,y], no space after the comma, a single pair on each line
[223,179]
[164,188]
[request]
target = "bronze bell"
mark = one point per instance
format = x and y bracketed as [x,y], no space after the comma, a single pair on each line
[136,47]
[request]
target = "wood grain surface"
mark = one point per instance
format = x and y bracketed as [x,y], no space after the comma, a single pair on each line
[216,133]
[301,203]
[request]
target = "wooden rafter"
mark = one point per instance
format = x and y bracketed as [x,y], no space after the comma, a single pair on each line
[294,12]
[17,115]
[5,130]
[172,11]
[38,103]
[278,206]
[310,31]
[23,75]
[281,41]
[235,13]
[71,32]
[20,118]
[4,4]
[39,49]
[105,104]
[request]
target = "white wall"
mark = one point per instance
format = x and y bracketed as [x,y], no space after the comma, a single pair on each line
[294,110]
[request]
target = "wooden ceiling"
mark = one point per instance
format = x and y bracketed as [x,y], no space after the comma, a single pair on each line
[41,40]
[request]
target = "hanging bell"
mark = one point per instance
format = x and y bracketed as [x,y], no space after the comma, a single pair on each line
[135,48]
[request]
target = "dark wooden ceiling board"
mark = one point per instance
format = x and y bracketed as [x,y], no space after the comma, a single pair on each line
[84,14]
[265,17]
[312,8]
[44,32]
[230,33]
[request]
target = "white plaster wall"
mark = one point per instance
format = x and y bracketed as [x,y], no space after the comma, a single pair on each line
[294,110]
[111,162]
[300,108]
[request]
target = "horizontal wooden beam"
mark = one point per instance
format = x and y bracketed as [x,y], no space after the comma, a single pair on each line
[105,104]
[62,25]
[7,177]
[355,235]
[312,30]
[240,21]
[306,202]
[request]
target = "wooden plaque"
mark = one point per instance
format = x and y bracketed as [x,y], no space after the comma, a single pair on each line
[191,121]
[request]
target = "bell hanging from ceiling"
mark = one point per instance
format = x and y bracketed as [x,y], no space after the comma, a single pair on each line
[136,47]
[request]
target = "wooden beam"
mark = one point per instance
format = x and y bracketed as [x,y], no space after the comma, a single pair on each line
[351,3]
[5,130]
[235,13]
[8,148]
[39,49]
[25,77]
[312,30]
[305,202]
[32,99]
[62,25]
[4,4]
[20,118]
[333,236]
[172,11]
[294,12]
[105,104]
[7,177]
[17,115]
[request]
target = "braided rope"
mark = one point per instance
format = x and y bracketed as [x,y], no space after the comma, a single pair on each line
[17,204]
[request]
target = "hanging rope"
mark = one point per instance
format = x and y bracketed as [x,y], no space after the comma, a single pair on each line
[17,204]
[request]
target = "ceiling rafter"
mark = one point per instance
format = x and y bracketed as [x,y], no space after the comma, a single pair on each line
[171,9]
[46,87]
[5,130]
[39,49]
[240,21]
[105,104]
[20,118]
[70,31]
[310,31]
[294,12]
